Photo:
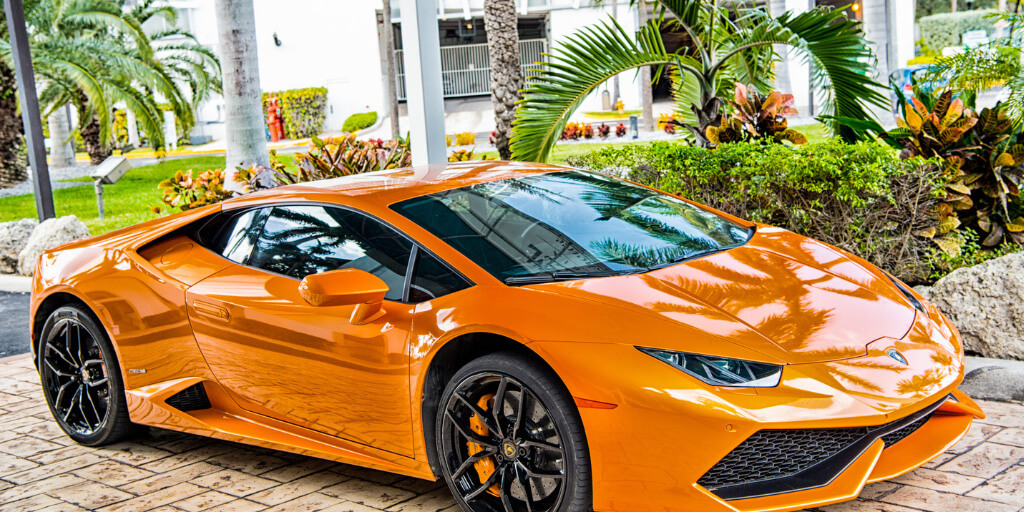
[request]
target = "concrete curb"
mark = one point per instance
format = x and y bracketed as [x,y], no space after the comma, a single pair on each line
[15,284]
[994,379]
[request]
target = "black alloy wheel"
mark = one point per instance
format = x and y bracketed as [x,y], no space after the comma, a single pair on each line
[510,439]
[81,378]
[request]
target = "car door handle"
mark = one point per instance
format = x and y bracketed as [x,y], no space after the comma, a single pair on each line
[210,310]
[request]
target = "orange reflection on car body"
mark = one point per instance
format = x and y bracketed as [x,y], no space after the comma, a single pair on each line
[285,374]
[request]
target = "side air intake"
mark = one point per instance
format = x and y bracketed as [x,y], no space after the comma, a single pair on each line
[192,398]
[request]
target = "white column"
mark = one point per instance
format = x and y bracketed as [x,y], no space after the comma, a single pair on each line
[133,129]
[170,131]
[425,99]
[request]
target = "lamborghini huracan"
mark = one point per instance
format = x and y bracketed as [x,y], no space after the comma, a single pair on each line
[544,339]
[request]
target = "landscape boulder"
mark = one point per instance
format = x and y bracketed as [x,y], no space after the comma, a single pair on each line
[13,237]
[986,303]
[49,234]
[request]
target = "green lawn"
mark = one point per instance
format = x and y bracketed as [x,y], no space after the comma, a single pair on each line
[129,201]
[132,199]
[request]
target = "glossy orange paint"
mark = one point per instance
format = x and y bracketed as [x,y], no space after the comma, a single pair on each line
[285,374]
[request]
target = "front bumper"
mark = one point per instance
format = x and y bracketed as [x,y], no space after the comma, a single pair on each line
[667,431]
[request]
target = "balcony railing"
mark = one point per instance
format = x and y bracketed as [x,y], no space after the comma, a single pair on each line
[466,69]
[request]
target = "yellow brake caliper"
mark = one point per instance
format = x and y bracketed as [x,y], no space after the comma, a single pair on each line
[484,467]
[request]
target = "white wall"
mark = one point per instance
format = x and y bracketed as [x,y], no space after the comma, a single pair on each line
[324,43]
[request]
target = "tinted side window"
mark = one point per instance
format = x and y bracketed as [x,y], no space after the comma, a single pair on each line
[301,240]
[231,234]
[432,279]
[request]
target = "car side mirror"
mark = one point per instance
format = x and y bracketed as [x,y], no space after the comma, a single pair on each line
[346,287]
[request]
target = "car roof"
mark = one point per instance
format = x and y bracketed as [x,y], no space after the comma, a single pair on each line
[394,185]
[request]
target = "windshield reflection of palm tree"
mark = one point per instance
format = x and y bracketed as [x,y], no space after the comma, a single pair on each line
[639,208]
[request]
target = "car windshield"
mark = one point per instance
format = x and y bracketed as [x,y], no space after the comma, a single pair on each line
[569,225]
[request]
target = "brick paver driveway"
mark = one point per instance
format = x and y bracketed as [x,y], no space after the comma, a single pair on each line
[162,471]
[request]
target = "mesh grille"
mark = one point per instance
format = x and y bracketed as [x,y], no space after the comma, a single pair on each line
[894,437]
[772,454]
[192,398]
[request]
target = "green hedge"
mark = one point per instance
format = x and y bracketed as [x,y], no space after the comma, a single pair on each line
[861,197]
[359,121]
[941,30]
[304,110]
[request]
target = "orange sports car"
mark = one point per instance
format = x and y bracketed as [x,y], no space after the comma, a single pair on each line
[544,339]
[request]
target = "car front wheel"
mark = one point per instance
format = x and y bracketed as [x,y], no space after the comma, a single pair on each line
[510,439]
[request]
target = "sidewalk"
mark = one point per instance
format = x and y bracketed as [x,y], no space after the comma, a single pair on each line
[161,471]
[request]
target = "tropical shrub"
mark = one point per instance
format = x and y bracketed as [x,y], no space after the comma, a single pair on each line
[756,118]
[356,122]
[941,30]
[588,131]
[303,110]
[861,197]
[983,162]
[185,192]
[620,130]
[603,130]
[460,139]
[572,131]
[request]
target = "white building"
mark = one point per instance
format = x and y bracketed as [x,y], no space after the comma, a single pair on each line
[336,44]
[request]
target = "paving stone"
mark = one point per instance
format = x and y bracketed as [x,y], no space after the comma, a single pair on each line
[25,446]
[171,478]
[368,493]
[9,464]
[865,506]
[247,461]
[308,503]
[303,467]
[351,507]
[940,480]
[928,499]
[204,501]
[178,460]
[296,488]
[238,506]
[90,495]
[978,433]
[39,487]
[1007,487]
[878,489]
[420,486]
[430,502]
[47,471]
[1010,436]
[133,453]
[986,460]
[234,482]
[32,504]
[155,499]
[112,472]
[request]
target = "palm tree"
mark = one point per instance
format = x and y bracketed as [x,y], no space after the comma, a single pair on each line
[243,104]
[388,33]
[13,168]
[501,24]
[722,46]
[93,54]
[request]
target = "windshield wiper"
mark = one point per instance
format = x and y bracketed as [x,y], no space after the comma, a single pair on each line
[569,275]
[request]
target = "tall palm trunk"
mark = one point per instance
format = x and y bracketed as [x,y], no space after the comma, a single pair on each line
[645,76]
[94,145]
[243,104]
[61,153]
[500,22]
[13,169]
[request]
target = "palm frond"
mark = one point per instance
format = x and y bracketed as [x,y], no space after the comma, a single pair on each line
[579,65]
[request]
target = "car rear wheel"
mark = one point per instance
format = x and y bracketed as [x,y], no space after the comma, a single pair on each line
[509,439]
[81,378]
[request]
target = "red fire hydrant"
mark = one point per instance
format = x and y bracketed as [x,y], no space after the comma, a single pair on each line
[274,121]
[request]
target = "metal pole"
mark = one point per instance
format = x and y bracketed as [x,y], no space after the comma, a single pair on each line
[424,98]
[29,108]
[99,196]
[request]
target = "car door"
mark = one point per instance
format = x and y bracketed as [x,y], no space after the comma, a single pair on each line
[310,366]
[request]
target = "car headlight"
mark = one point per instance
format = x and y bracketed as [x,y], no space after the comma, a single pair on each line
[721,371]
[906,293]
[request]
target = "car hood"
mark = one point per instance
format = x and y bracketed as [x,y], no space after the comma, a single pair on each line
[788,297]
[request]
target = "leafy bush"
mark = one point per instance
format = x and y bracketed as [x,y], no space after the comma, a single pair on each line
[756,117]
[356,122]
[303,110]
[185,192]
[983,161]
[460,139]
[941,30]
[862,197]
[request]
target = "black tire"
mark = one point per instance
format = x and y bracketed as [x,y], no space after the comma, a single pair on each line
[533,449]
[81,378]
